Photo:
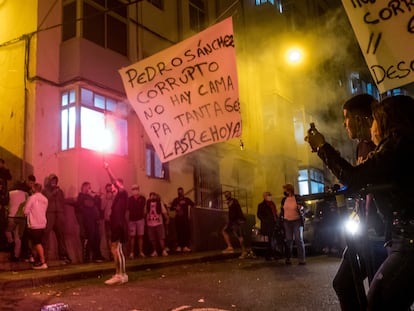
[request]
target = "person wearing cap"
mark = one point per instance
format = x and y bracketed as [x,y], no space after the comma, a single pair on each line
[136,221]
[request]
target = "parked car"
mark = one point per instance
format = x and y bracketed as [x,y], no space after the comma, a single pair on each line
[318,230]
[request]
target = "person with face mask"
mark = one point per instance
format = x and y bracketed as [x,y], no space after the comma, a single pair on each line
[292,216]
[136,221]
[234,225]
[156,213]
[89,203]
[267,214]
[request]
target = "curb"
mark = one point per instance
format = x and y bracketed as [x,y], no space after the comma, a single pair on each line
[33,278]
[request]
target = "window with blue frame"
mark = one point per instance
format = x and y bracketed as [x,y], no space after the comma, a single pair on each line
[310,181]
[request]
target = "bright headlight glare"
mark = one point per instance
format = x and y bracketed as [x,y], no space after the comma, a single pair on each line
[352,226]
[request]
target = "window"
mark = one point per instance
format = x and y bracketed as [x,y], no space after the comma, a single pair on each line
[102,122]
[68,120]
[158,3]
[197,12]
[69,18]
[276,3]
[154,167]
[103,22]
[310,181]
[259,2]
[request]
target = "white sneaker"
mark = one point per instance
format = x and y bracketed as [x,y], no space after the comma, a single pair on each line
[124,278]
[131,256]
[142,255]
[116,279]
[164,253]
[154,254]
[42,266]
[186,249]
[228,250]
[178,249]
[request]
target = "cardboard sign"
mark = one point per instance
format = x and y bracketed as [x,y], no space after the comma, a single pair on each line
[187,95]
[385,32]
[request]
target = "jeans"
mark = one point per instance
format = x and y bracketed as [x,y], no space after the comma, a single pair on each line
[294,231]
[392,287]
[344,284]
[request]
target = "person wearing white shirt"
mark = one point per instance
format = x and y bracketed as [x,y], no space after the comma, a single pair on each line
[35,211]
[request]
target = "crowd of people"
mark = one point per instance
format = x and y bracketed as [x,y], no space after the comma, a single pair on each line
[110,223]
[383,252]
[32,212]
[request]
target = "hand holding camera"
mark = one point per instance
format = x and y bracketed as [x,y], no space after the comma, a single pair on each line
[314,138]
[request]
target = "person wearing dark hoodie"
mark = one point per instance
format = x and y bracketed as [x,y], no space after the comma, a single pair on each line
[55,216]
[89,204]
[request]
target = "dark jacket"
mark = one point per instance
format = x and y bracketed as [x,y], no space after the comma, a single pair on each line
[267,218]
[235,212]
[387,173]
[136,207]
[181,205]
[119,209]
[89,206]
[54,195]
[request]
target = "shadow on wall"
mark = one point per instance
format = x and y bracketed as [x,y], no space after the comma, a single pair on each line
[18,169]
[72,236]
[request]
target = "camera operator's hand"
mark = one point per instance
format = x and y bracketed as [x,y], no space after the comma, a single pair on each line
[315,140]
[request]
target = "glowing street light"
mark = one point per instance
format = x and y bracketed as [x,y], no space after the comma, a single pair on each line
[294,55]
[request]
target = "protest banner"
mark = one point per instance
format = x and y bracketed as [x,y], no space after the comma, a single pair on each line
[187,96]
[385,32]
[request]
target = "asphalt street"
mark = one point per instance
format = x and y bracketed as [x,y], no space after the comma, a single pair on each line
[225,284]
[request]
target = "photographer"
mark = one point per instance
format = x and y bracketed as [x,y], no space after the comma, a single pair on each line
[387,171]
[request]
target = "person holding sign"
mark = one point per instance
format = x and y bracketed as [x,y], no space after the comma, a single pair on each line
[388,172]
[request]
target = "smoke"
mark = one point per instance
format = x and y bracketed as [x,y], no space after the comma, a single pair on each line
[319,84]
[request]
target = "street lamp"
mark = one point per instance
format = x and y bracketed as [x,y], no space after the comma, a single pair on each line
[294,56]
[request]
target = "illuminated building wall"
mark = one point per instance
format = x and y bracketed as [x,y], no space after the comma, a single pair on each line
[69,63]
[16,19]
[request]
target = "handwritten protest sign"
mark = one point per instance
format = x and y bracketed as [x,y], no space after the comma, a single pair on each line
[385,32]
[187,95]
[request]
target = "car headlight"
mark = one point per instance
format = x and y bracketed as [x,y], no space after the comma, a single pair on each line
[352,226]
